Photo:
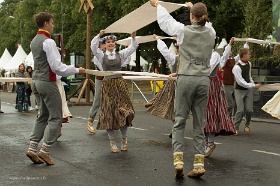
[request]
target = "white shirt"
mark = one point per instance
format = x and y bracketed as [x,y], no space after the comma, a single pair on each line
[227,51]
[217,59]
[124,54]
[238,76]
[54,60]
[169,56]
[172,27]
[97,63]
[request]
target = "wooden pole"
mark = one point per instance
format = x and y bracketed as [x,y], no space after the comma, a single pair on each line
[87,84]
[88,52]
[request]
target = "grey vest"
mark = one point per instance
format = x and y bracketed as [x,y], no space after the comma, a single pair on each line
[42,70]
[196,50]
[112,65]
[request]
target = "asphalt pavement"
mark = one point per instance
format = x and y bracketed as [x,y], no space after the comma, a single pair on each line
[82,158]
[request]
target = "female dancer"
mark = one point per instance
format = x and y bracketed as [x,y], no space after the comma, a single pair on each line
[167,93]
[116,110]
[218,120]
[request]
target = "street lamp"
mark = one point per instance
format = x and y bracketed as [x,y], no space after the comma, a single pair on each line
[19,29]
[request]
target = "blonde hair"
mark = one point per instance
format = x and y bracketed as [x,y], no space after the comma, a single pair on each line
[199,10]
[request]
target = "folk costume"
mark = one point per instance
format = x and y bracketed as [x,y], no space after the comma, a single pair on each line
[162,105]
[243,94]
[218,120]
[228,81]
[116,109]
[65,110]
[97,94]
[48,123]
[192,85]
[272,107]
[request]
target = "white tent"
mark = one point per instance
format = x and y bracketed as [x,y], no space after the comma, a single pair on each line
[220,47]
[5,58]
[29,61]
[17,59]
[133,59]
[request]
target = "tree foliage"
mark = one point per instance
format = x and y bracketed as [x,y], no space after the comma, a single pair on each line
[230,18]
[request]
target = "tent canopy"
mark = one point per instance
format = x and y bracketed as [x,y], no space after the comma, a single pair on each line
[17,59]
[29,61]
[5,58]
[133,59]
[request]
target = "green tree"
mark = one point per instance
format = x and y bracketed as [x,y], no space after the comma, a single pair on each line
[258,23]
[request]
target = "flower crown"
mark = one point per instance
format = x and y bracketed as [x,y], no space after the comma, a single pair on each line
[110,37]
[101,41]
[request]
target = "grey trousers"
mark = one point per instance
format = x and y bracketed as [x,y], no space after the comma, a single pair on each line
[229,92]
[244,106]
[96,101]
[49,118]
[191,95]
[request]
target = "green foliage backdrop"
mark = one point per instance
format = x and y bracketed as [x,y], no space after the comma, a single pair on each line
[251,18]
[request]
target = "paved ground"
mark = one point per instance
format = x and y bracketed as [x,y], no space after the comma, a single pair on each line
[85,159]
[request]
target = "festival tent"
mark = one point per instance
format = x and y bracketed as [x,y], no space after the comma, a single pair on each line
[17,59]
[5,58]
[220,47]
[133,59]
[29,61]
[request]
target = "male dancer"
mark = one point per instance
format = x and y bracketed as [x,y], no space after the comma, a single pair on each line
[243,90]
[46,65]
[228,78]
[98,82]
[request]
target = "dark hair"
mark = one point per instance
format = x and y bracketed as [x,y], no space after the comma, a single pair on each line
[41,18]
[243,51]
[199,10]
[217,39]
[29,73]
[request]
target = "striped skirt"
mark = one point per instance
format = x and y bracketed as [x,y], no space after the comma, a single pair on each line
[218,120]
[116,109]
[162,104]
